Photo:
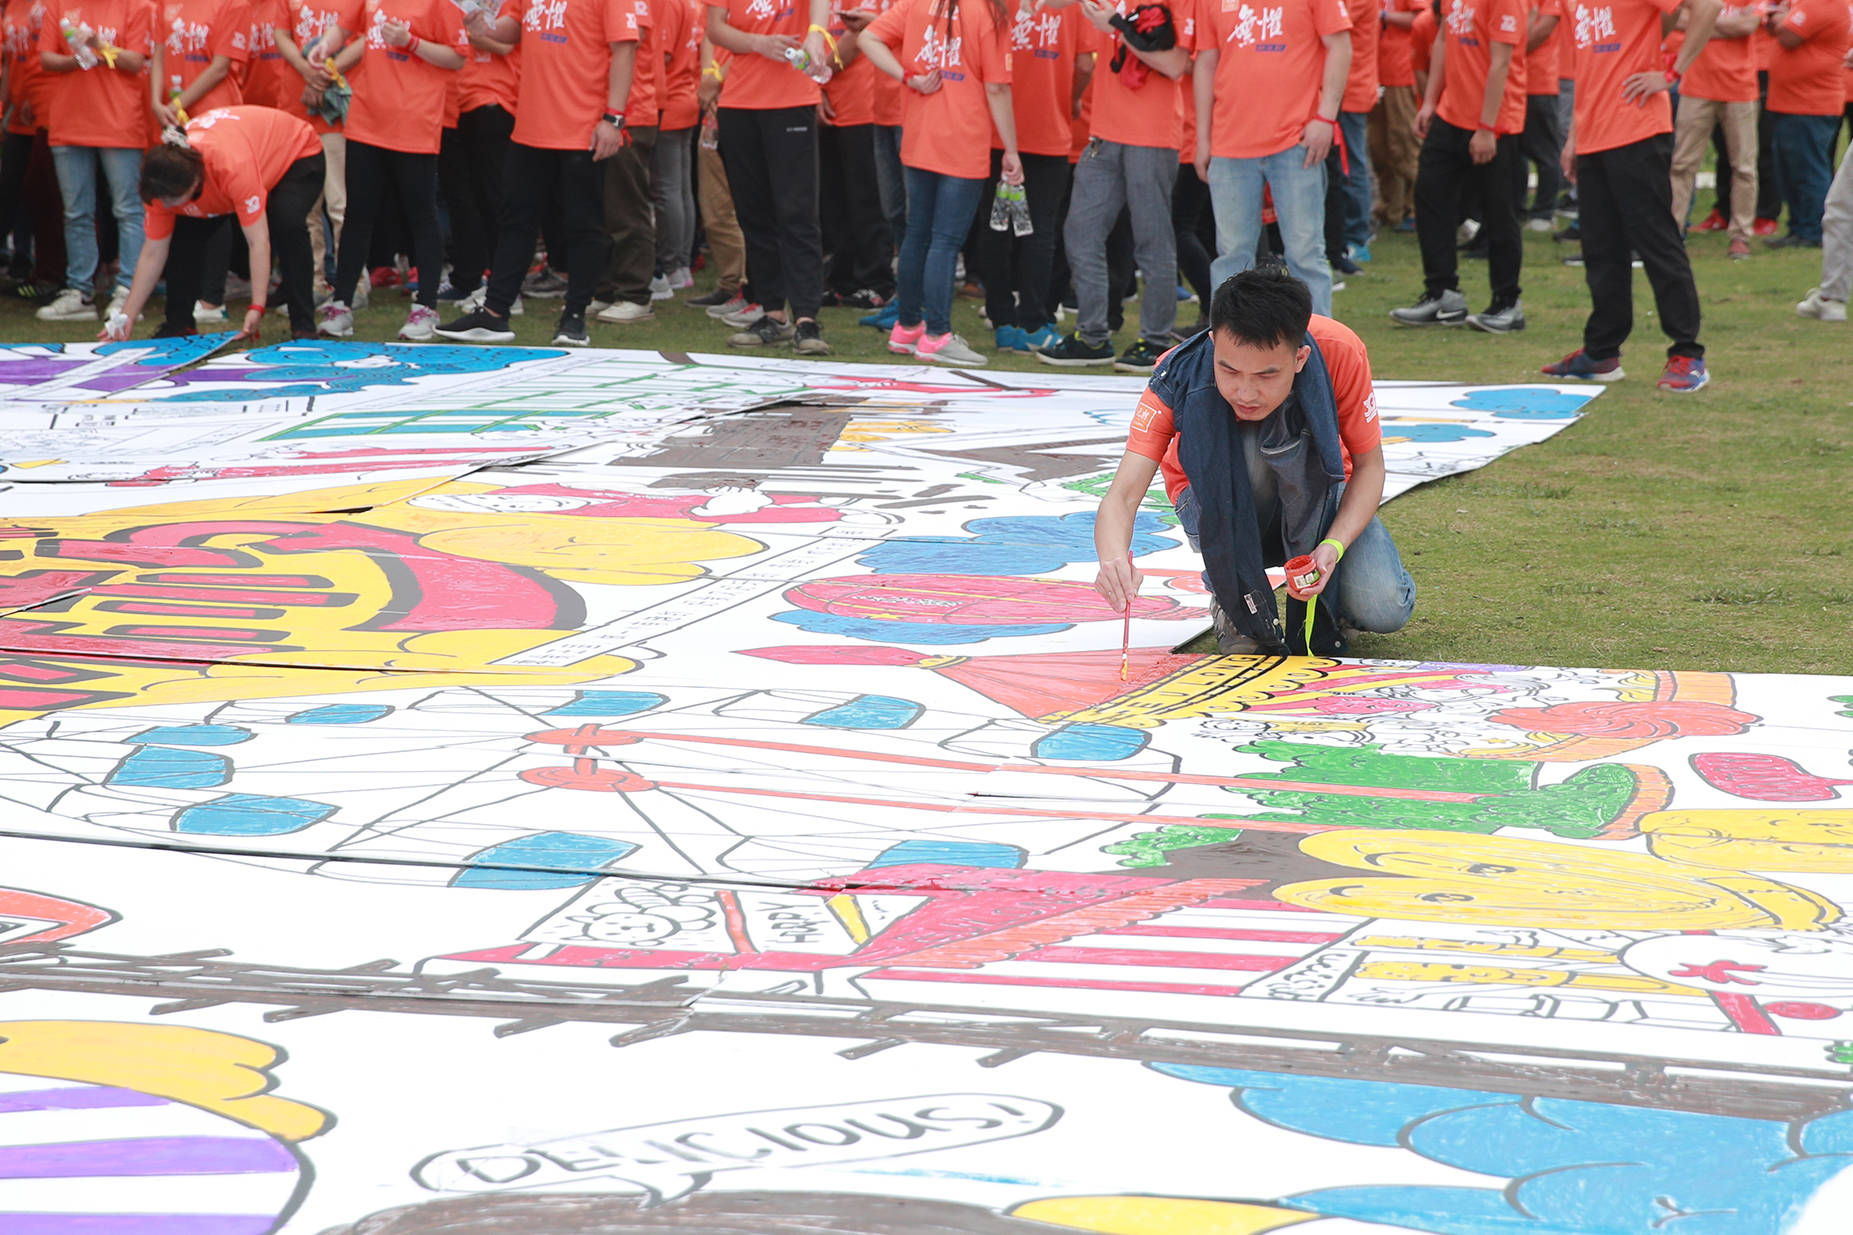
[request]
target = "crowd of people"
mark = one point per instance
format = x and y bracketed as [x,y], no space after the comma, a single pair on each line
[859,152]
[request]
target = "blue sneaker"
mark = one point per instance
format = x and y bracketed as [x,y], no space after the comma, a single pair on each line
[1043,337]
[883,318]
[1684,374]
[1579,367]
[1012,339]
[1358,252]
[1405,226]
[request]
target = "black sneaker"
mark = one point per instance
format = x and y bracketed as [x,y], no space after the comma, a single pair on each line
[1073,352]
[710,299]
[1141,357]
[1345,266]
[808,339]
[866,299]
[571,331]
[482,326]
[762,333]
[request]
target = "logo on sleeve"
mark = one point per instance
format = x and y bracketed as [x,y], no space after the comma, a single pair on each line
[253,204]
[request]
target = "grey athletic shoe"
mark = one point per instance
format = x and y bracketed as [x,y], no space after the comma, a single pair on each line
[1499,320]
[1447,309]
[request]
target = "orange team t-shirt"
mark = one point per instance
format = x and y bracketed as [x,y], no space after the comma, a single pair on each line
[1395,66]
[247,150]
[99,107]
[1043,46]
[1187,98]
[194,33]
[28,83]
[1725,70]
[1080,128]
[755,83]
[640,109]
[1808,80]
[851,90]
[948,131]
[1362,81]
[1422,40]
[1150,114]
[1268,73]
[1541,65]
[1614,40]
[1472,27]
[309,20]
[565,68]
[1566,46]
[680,44]
[269,81]
[489,80]
[399,98]
[1154,435]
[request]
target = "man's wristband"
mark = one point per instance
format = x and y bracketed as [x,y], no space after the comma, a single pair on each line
[613,118]
[257,308]
[411,44]
[1331,120]
[1337,547]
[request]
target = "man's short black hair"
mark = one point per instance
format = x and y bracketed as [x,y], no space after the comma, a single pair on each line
[1262,308]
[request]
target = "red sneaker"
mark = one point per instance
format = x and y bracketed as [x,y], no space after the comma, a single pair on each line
[1714,222]
[1684,374]
[1764,227]
[383,276]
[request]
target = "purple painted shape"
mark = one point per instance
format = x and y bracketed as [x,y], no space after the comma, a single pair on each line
[135,1224]
[88,1098]
[31,370]
[152,1155]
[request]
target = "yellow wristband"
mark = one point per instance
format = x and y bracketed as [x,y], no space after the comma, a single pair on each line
[1339,548]
[829,40]
[714,71]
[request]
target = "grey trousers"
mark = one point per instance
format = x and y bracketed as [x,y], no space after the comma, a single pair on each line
[1109,177]
[1837,234]
[673,188]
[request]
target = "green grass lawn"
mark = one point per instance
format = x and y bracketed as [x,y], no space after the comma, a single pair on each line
[1703,531]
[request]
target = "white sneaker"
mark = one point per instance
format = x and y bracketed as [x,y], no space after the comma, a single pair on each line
[660,288]
[948,349]
[682,279]
[1818,306]
[515,309]
[337,321]
[1540,225]
[744,317]
[208,314]
[363,293]
[70,305]
[421,325]
[624,312]
[595,306]
[720,311]
[472,301]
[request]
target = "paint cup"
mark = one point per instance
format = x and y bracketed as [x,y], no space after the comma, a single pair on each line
[1302,572]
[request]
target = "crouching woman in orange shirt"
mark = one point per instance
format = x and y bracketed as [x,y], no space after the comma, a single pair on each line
[260,165]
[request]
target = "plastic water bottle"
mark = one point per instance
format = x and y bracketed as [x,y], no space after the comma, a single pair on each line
[86,55]
[1000,208]
[800,60]
[1019,212]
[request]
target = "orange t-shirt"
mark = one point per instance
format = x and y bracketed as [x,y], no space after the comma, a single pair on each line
[29,84]
[489,80]
[1395,65]
[195,32]
[640,108]
[1725,70]
[1080,129]
[948,131]
[679,37]
[565,68]
[1154,434]
[1422,40]
[1614,40]
[1268,73]
[888,103]
[1043,46]
[247,150]
[1472,27]
[269,81]
[1362,82]
[755,83]
[99,107]
[1150,114]
[1808,80]
[851,90]
[308,21]
[399,98]
[1541,65]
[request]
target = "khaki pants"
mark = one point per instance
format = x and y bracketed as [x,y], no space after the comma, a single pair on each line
[1692,134]
[333,203]
[726,246]
[1393,153]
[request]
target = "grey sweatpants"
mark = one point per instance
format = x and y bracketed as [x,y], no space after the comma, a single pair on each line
[1837,234]
[1139,178]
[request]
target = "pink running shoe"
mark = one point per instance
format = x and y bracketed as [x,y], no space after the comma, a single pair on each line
[905,340]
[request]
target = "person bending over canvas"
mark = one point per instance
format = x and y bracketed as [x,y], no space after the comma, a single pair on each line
[1265,428]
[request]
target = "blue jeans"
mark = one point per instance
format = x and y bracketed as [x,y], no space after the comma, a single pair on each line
[890,179]
[77,182]
[1370,589]
[1355,127]
[1804,156]
[939,214]
[1299,200]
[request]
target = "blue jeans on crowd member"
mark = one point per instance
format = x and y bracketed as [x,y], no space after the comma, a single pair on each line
[890,177]
[939,214]
[1370,590]
[1299,201]
[1354,126]
[77,182]
[1804,149]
